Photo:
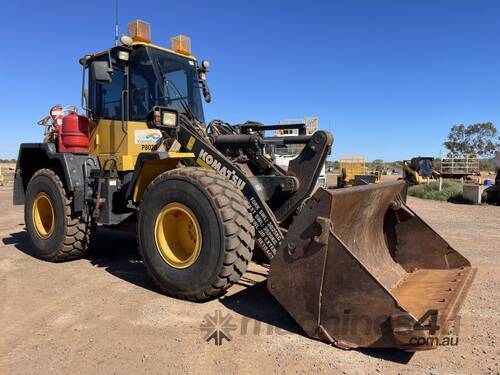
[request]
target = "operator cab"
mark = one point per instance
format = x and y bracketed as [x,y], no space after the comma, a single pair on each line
[127,81]
[154,78]
[123,85]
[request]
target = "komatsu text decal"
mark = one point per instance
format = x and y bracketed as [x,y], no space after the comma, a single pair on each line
[267,234]
[207,160]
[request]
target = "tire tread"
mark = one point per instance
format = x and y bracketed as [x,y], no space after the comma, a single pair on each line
[239,231]
[78,233]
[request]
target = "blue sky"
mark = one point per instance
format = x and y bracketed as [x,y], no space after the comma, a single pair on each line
[387,78]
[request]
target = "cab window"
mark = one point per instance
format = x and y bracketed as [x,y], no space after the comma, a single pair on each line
[106,99]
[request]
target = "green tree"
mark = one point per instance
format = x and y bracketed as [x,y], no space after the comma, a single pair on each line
[473,140]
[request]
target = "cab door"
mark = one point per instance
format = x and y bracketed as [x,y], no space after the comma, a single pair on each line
[108,133]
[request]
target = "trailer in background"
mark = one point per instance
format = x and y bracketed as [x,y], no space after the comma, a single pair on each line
[459,167]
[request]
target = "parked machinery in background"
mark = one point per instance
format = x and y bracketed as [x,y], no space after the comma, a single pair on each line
[353,172]
[419,170]
[493,192]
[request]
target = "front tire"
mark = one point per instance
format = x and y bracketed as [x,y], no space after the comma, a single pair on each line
[195,233]
[56,232]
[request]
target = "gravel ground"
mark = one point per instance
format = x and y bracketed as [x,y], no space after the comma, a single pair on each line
[103,315]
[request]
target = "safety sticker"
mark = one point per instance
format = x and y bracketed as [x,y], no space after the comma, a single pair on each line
[147,136]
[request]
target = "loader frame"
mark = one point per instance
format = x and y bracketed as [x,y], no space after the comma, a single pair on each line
[105,193]
[108,184]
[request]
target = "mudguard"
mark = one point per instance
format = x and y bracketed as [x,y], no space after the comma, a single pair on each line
[74,167]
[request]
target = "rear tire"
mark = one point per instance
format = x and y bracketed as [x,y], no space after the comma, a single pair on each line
[221,213]
[55,231]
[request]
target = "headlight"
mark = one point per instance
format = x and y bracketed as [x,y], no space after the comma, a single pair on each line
[169,119]
[164,117]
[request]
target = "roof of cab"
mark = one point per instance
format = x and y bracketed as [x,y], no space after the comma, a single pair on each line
[190,57]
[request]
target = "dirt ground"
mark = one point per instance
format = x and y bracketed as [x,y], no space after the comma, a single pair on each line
[102,314]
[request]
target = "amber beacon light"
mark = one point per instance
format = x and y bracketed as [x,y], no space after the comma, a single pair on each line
[139,31]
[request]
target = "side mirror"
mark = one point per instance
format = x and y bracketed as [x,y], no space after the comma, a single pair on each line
[206,92]
[202,76]
[101,72]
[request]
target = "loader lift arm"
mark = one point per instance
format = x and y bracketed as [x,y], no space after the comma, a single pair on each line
[303,174]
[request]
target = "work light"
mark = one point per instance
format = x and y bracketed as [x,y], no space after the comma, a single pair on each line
[163,117]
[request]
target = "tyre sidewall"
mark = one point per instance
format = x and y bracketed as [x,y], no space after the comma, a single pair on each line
[204,271]
[49,247]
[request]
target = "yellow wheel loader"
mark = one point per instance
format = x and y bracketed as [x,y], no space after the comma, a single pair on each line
[354,267]
[419,170]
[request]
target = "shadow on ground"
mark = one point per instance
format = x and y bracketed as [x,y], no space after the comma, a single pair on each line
[116,252]
[256,303]
[20,241]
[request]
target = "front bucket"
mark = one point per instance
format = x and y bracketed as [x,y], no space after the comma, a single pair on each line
[358,268]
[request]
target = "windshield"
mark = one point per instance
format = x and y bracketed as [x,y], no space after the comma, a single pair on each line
[425,167]
[164,79]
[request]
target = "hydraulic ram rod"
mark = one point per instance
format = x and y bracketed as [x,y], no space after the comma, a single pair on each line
[292,140]
[247,140]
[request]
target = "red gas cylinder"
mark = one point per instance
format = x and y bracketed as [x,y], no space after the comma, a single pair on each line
[74,134]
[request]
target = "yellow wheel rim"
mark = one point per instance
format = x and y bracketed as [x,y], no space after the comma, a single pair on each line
[43,215]
[178,235]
